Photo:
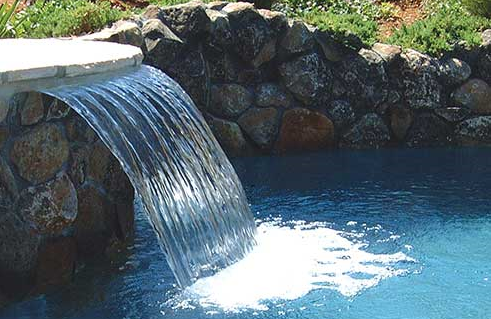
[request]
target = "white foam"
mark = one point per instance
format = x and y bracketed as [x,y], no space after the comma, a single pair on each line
[289,262]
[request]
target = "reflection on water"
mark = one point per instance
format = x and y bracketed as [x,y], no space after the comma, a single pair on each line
[433,206]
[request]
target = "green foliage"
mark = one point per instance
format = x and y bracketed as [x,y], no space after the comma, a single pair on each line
[346,28]
[8,21]
[366,9]
[388,10]
[441,30]
[55,18]
[478,7]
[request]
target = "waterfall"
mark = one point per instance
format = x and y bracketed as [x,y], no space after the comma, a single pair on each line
[189,189]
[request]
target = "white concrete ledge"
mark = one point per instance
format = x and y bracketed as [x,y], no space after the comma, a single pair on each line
[29,59]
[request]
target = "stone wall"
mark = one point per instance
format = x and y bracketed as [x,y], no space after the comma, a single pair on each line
[267,84]
[63,196]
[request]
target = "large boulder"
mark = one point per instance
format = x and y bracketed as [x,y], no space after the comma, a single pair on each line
[454,71]
[254,40]
[390,53]
[298,38]
[220,32]
[475,131]
[420,74]
[40,153]
[364,77]
[49,208]
[261,125]
[307,77]
[229,135]
[304,130]
[429,130]
[123,32]
[369,132]
[271,94]
[341,113]
[475,95]
[162,46]
[188,20]
[229,100]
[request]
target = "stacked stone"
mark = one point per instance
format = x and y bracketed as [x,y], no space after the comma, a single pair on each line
[268,84]
[63,196]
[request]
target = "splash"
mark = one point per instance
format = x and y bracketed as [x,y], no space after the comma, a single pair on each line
[290,260]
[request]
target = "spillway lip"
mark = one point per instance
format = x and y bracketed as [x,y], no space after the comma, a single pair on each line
[35,59]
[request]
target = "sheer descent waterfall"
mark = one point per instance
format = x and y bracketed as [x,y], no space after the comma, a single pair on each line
[191,194]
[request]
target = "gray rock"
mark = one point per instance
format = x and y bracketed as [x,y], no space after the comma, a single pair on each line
[229,100]
[217,5]
[389,53]
[4,135]
[278,22]
[306,77]
[333,50]
[18,246]
[40,153]
[454,71]
[369,132]
[475,131]
[220,32]
[271,94]
[364,77]
[341,113]
[221,66]
[453,114]
[123,32]
[483,66]
[298,38]
[4,109]
[188,20]
[57,110]
[486,38]
[77,130]
[49,208]
[420,73]
[475,94]
[229,136]
[162,46]
[429,130]
[253,38]
[304,130]
[8,186]
[33,109]
[261,125]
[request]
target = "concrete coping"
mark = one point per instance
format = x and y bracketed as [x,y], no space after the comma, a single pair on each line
[34,59]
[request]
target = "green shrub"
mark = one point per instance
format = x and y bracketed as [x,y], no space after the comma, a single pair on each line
[8,19]
[56,18]
[441,30]
[478,7]
[344,27]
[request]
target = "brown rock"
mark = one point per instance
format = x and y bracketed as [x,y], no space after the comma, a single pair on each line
[388,52]
[92,226]
[99,162]
[49,208]
[57,110]
[40,153]
[78,130]
[56,263]
[400,121]
[261,124]
[229,136]
[303,129]
[4,135]
[33,109]
[475,94]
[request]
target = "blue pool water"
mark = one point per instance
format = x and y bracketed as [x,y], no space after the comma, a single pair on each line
[348,234]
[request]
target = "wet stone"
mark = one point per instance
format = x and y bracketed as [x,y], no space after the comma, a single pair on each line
[229,135]
[261,125]
[33,109]
[40,153]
